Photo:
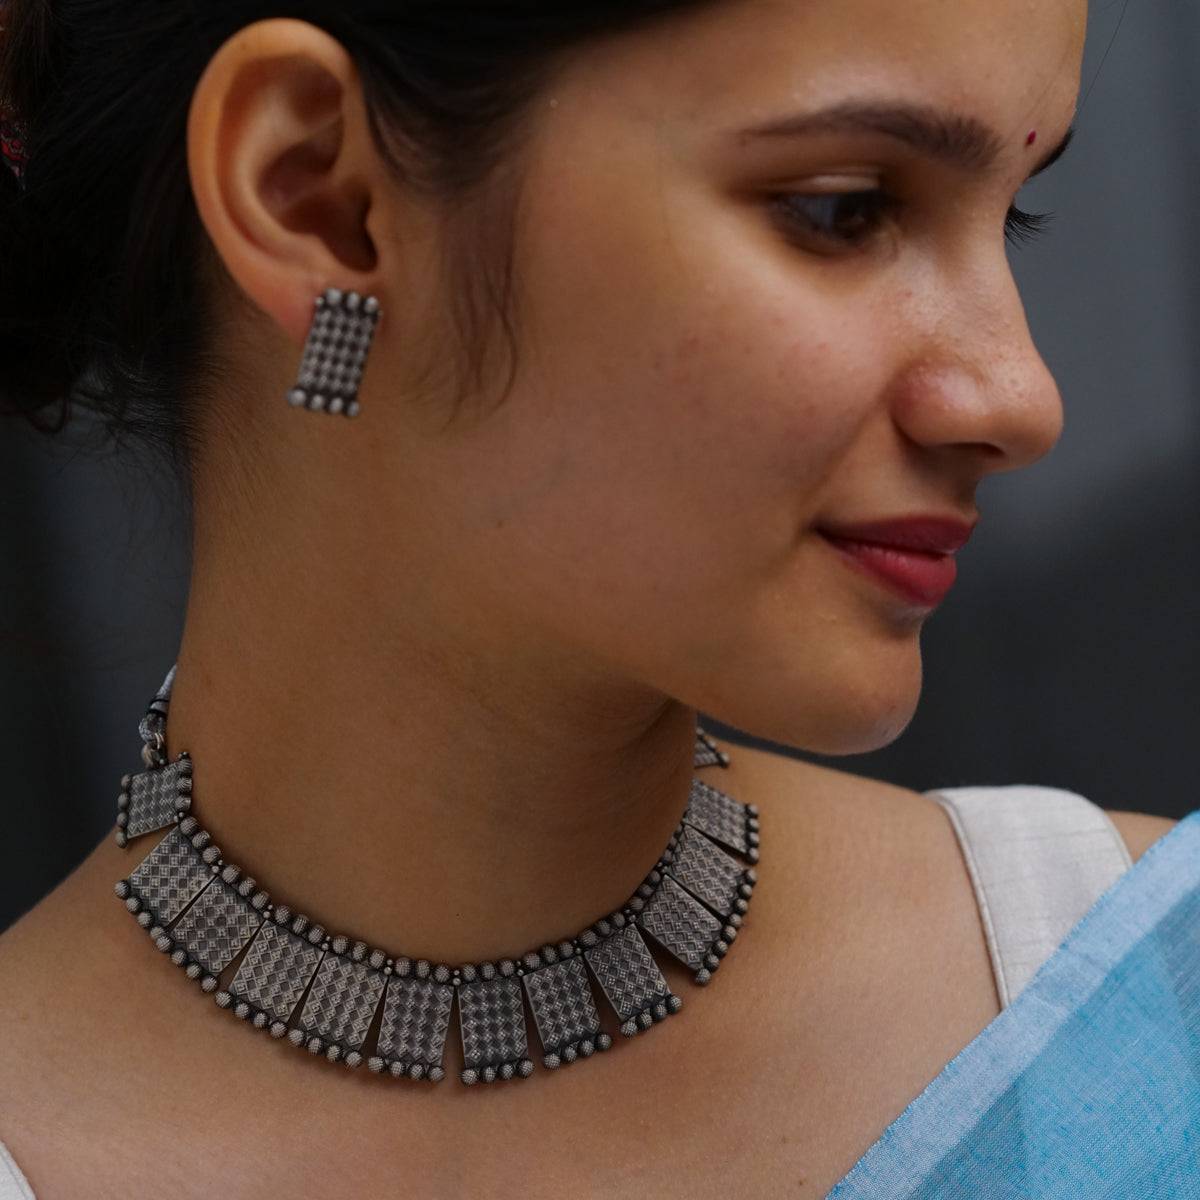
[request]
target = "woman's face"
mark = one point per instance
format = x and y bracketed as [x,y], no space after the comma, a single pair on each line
[717,359]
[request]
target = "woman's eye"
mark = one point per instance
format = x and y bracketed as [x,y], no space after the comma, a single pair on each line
[852,218]
[844,218]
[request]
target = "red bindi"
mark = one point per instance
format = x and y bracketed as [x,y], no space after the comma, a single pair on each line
[1031,138]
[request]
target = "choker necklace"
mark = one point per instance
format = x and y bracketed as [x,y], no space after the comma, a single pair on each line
[327,992]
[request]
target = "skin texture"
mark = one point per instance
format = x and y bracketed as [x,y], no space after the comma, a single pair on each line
[433,668]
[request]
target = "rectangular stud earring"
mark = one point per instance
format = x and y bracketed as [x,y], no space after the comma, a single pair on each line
[336,350]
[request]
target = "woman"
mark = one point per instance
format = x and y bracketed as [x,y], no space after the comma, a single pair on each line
[677,338]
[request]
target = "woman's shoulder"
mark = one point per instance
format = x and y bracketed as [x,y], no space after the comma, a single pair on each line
[1010,868]
[789,781]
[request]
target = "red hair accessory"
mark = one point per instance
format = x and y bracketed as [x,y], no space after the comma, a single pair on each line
[12,143]
[12,131]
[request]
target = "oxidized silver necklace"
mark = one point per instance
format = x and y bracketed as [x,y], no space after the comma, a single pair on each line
[327,992]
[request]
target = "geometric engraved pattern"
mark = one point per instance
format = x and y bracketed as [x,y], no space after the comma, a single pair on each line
[152,797]
[720,816]
[342,1001]
[169,876]
[492,1020]
[217,926]
[561,999]
[331,366]
[706,871]
[681,923]
[416,1019]
[627,972]
[275,971]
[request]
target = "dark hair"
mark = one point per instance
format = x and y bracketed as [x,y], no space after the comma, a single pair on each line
[103,257]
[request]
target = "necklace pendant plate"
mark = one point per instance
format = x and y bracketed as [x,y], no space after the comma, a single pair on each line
[491,1019]
[341,1002]
[629,977]
[718,814]
[215,928]
[707,871]
[154,797]
[564,1011]
[276,970]
[416,1019]
[169,877]
[681,924]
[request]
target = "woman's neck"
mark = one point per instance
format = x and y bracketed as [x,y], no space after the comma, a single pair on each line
[434,803]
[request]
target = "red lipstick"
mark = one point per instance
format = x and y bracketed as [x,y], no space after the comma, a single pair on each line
[914,556]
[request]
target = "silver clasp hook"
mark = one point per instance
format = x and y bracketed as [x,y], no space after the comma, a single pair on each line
[155,756]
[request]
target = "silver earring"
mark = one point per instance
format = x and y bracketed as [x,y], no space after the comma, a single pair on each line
[336,350]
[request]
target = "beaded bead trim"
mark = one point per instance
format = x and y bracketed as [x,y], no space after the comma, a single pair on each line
[323,991]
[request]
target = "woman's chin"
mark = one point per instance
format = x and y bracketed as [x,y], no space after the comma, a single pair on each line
[831,718]
[862,739]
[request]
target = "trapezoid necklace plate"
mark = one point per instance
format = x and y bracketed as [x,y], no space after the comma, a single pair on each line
[564,1010]
[632,981]
[325,991]
[491,1019]
[416,1020]
[273,976]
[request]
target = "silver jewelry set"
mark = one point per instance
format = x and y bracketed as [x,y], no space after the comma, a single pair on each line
[327,992]
[324,990]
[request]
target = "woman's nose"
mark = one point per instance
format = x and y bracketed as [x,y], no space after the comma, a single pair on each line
[989,390]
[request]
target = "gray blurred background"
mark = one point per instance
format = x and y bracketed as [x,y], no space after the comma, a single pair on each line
[1067,654]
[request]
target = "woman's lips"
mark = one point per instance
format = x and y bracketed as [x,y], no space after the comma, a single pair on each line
[922,577]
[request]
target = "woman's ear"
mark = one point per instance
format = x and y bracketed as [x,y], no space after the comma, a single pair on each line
[283,169]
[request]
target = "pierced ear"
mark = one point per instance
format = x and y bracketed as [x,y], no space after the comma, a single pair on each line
[277,171]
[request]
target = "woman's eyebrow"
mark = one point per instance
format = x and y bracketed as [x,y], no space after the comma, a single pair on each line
[953,138]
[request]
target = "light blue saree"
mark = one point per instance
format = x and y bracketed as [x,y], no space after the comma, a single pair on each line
[1087,1086]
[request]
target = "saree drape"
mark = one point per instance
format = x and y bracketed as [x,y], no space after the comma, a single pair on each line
[1087,1087]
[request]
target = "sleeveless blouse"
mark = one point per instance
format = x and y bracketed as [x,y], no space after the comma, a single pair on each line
[1039,859]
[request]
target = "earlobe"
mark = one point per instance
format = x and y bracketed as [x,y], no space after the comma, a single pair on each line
[268,160]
